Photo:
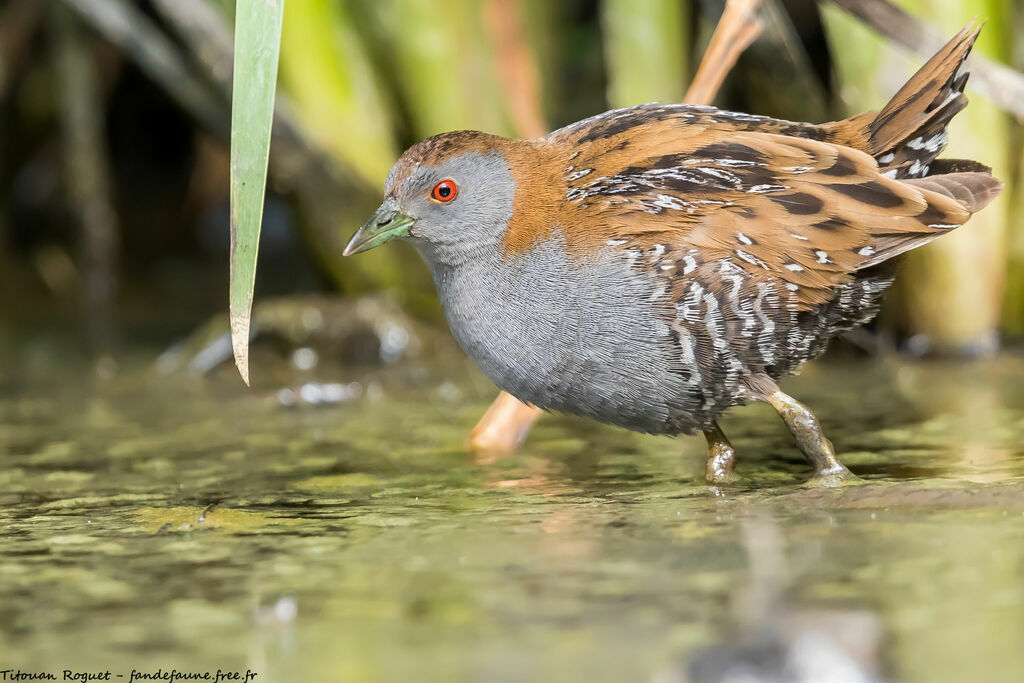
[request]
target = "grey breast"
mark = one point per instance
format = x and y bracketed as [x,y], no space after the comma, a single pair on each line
[571,336]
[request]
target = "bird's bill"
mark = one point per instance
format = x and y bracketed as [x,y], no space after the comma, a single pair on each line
[386,224]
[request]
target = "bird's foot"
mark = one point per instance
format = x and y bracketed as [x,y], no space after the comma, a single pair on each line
[721,467]
[828,471]
[722,479]
[834,477]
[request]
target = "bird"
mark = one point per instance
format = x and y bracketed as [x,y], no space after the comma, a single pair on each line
[653,266]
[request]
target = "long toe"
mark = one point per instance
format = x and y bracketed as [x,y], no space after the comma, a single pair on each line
[720,477]
[833,477]
[721,466]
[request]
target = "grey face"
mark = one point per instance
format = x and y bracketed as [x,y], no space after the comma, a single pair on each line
[470,212]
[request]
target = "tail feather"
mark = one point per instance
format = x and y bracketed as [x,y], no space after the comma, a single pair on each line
[907,135]
[950,200]
[972,190]
[941,166]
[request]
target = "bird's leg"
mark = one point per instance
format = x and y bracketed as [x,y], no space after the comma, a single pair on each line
[828,471]
[504,426]
[721,468]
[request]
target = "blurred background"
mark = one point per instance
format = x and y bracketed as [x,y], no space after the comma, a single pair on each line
[330,524]
[114,122]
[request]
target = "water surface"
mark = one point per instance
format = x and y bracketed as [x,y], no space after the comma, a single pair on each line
[184,522]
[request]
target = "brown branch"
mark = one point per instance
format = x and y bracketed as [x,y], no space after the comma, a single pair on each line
[736,30]
[504,426]
[516,66]
[1001,84]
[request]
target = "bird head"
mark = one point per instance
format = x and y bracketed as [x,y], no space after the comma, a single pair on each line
[451,195]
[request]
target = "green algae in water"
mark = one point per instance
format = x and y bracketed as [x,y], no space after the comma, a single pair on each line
[358,541]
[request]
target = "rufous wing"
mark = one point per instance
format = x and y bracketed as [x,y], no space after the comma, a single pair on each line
[806,213]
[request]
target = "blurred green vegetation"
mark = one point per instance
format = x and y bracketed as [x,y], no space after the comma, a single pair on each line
[326,67]
[646,50]
[360,81]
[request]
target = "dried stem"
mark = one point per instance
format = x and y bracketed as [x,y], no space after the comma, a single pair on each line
[518,71]
[736,30]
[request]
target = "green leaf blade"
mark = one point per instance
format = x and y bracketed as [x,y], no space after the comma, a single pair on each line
[257,46]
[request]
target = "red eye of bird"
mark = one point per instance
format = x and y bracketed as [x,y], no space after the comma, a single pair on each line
[444,191]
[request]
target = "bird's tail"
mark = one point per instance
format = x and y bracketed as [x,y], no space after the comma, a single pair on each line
[949,201]
[907,135]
